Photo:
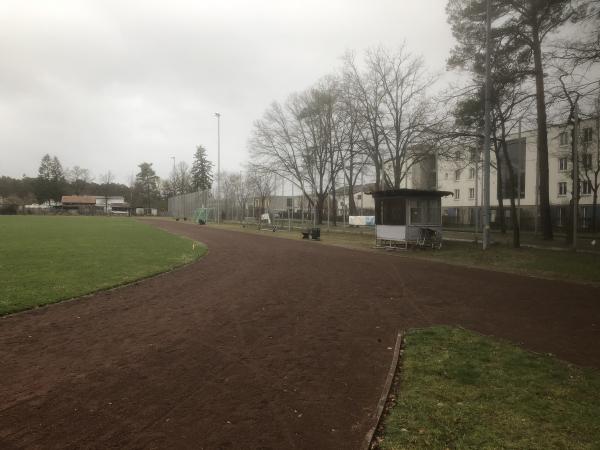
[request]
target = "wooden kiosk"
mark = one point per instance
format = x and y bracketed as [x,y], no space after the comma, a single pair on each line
[406,217]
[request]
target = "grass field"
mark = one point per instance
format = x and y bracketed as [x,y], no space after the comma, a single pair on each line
[462,390]
[47,259]
[560,265]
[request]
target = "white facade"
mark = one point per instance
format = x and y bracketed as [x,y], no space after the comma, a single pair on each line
[102,201]
[464,178]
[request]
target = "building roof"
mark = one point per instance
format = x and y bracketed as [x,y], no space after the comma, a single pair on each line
[410,193]
[79,199]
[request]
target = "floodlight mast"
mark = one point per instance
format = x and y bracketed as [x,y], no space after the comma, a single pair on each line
[486,131]
[218,116]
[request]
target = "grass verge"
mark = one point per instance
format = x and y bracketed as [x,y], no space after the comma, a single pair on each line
[558,265]
[47,259]
[462,390]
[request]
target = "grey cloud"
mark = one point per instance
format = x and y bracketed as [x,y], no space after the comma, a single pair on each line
[108,84]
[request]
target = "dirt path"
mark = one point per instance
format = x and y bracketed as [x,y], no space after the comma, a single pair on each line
[264,343]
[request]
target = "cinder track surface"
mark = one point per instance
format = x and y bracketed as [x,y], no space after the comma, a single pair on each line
[263,343]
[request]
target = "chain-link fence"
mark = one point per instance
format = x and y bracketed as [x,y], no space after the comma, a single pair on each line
[186,205]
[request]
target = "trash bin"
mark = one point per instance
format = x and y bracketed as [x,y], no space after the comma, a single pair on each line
[315,233]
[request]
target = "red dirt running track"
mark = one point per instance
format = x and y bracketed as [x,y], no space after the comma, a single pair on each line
[264,343]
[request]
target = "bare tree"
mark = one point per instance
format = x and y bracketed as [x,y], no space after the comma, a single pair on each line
[79,179]
[582,48]
[294,141]
[366,94]
[392,98]
[261,181]
[180,179]
[348,142]
[243,193]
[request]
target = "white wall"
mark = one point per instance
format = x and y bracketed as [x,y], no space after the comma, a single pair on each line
[555,152]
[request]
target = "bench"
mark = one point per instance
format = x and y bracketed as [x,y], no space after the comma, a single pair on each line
[311,233]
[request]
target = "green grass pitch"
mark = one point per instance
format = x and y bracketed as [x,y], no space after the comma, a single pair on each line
[45,259]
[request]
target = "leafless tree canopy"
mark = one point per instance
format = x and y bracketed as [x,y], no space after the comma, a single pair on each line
[377,111]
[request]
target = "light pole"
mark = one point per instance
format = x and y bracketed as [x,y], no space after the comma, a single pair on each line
[218,116]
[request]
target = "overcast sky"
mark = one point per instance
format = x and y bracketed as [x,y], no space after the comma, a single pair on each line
[108,84]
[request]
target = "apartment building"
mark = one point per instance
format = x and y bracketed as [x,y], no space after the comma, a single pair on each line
[461,174]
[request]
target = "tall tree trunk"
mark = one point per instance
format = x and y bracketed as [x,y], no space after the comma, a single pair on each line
[542,139]
[334,205]
[500,216]
[350,189]
[569,224]
[351,202]
[377,175]
[513,208]
[319,207]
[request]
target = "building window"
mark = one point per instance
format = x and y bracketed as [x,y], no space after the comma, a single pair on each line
[358,196]
[457,175]
[562,164]
[472,154]
[564,138]
[425,212]
[446,176]
[471,173]
[456,194]
[585,187]
[562,188]
[471,193]
[587,135]
[457,155]
[586,161]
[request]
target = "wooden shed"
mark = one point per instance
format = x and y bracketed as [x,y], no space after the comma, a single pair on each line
[406,216]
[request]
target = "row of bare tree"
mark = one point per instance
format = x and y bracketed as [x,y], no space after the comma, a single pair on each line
[377,114]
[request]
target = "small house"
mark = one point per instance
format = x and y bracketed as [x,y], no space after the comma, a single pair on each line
[82,204]
[404,216]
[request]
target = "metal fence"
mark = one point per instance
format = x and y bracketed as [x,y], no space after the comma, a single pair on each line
[185,205]
[283,210]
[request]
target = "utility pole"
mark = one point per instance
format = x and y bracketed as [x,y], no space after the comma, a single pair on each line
[519,178]
[575,172]
[486,137]
[218,116]
[291,207]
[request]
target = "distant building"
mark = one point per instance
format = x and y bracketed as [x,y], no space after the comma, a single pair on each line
[95,204]
[83,204]
[115,204]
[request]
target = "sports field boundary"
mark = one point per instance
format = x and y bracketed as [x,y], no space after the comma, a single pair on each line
[385,394]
